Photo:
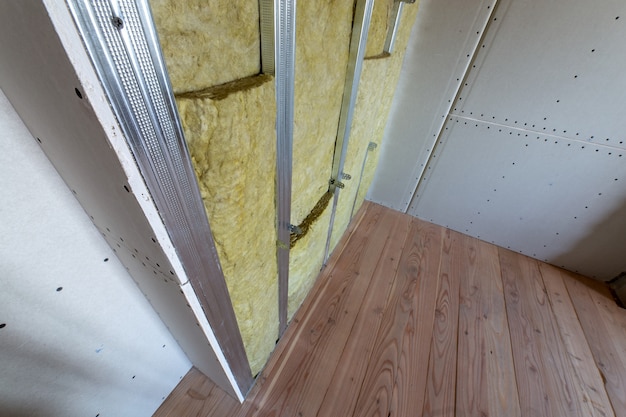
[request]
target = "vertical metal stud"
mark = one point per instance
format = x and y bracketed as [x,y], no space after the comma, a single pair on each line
[285,44]
[123,45]
[358,42]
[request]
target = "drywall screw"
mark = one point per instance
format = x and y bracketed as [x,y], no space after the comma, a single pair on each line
[117,22]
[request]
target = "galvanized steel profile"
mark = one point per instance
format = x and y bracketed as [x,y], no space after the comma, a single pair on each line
[123,45]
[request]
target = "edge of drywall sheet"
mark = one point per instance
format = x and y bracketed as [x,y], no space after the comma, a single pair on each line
[481,24]
[403,157]
[70,38]
[358,44]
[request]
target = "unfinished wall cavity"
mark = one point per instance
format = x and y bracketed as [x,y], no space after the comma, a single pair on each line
[231,142]
[208,42]
[212,50]
[376,89]
[228,113]
[322,45]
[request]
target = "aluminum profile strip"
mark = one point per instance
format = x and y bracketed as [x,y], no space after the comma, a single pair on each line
[285,30]
[358,42]
[123,45]
[394,22]
[266,26]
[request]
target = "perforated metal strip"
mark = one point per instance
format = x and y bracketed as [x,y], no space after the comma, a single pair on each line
[394,23]
[121,40]
[285,30]
[266,18]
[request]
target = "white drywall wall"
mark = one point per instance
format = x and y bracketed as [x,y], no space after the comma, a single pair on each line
[79,338]
[529,153]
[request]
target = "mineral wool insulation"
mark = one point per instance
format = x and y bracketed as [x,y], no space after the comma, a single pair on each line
[212,50]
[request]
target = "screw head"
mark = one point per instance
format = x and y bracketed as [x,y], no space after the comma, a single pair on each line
[117,22]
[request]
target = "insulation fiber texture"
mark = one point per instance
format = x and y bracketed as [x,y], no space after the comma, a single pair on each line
[323,32]
[376,89]
[232,144]
[377,32]
[208,42]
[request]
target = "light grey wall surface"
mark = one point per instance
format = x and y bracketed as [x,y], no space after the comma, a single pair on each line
[79,338]
[531,152]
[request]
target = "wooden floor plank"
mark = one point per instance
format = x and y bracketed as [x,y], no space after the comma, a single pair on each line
[486,385]
[198,396]
[544,376]
[441,377]
[361,343]
[589,384]
[604,343]
[344,388]
[299,382]
[394,383]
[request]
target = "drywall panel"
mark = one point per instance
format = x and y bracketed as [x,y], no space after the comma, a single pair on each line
[440,49]
[532,156]
[550,198]
[63,105]
[553,67]
[77,337]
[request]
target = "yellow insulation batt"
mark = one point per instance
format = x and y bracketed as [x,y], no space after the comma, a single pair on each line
[376,89]
[323,32]
[232,144]
[208,42]
[377,32]
[212,50]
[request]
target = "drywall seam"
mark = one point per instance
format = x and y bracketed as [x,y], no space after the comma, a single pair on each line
[192,298]
[481,24]
[66,30]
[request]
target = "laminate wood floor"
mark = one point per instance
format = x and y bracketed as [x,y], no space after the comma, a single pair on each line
[412,319]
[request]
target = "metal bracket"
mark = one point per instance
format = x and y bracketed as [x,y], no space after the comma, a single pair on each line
[296,230]
[345,176]
[334,184]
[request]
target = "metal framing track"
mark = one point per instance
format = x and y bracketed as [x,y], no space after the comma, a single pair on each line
[285,43]
[358,42]
[122,42]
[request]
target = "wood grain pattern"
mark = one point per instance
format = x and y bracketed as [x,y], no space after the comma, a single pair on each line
[394,383]
[311,361]
[196,396]
[544,375]
[441,378]
[410,319]
[594,400]
[603,340]
[343,391]
[486,385]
